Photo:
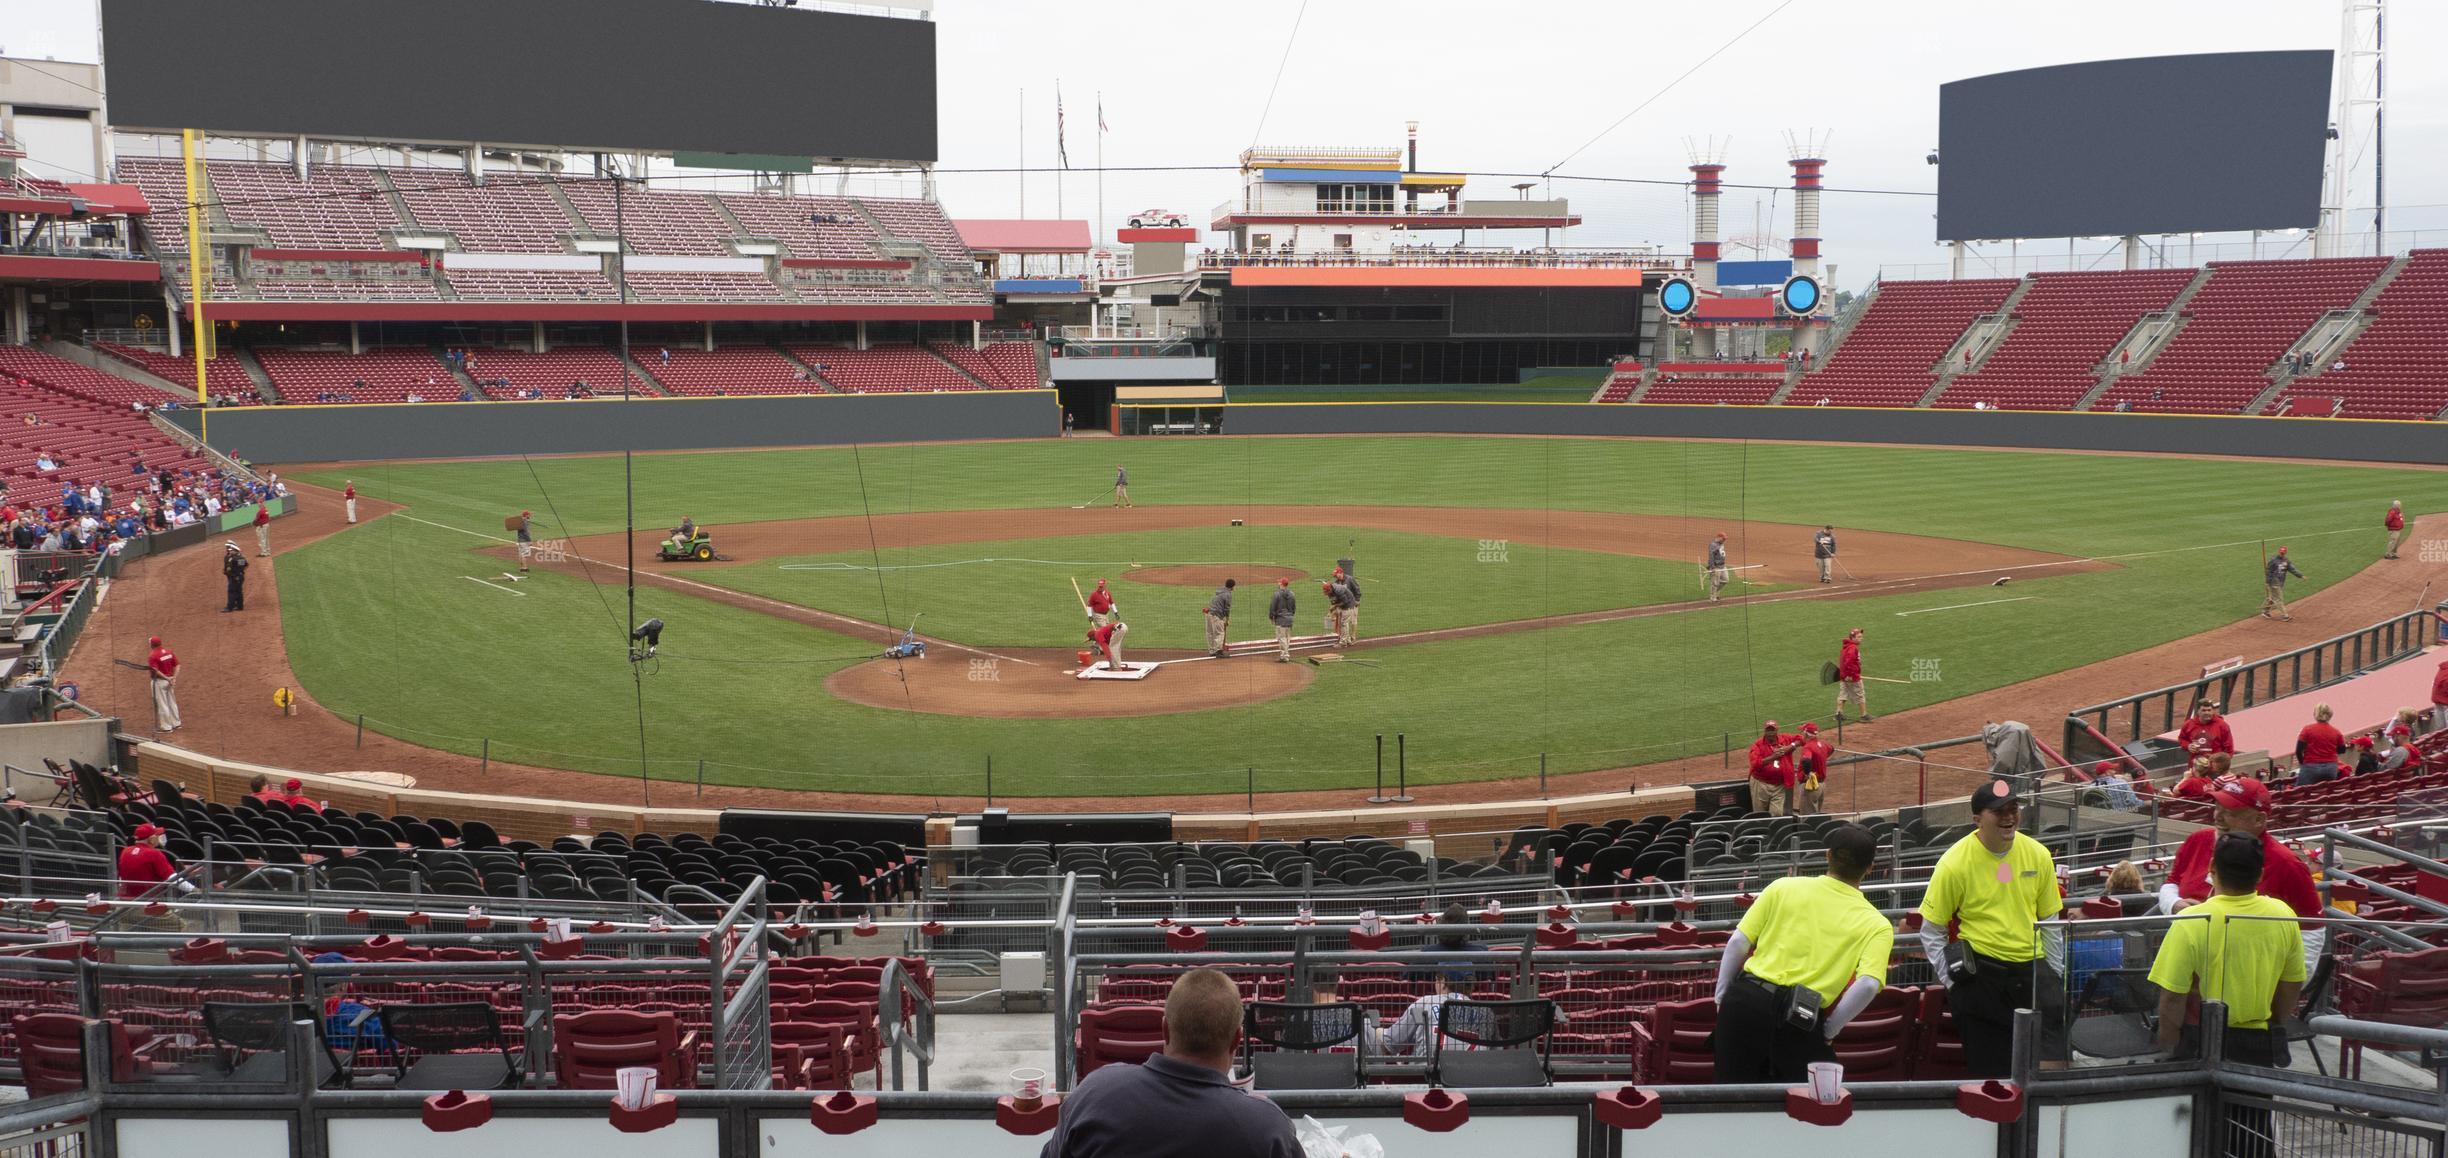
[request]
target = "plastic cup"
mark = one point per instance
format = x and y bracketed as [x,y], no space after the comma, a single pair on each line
[636,1086]
[1827,1082]
[1245,1081]
[1028,1088]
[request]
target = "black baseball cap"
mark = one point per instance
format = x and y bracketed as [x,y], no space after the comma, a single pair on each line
[1994,794]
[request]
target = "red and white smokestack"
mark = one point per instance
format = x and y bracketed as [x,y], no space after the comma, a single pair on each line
[1705,190]
[1806,214]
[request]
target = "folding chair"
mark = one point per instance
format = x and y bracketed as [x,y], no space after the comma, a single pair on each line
[1301,1043]
[459,1046]
[1487,1043]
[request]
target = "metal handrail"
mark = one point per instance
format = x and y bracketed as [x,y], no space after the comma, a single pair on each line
[900,996]
[2391,639]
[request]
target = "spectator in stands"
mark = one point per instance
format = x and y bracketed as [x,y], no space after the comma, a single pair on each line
[1180,1103]
[2360,750]
[259,788]
[2400,735]
[1453,933]
[144,868]
[1772,772]
[2439,697]
[1412,1032]
[32,419]
[664,353]
[44,462]
[1996,885]
[2243,810]
[2110,777]
[2206,732]
[2338,365]
[1809,956]
[2124,880]
[293,794]
[2316,749]
[2255,966]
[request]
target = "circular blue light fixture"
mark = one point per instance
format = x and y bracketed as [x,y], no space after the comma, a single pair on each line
[1799,296]
[1677,297]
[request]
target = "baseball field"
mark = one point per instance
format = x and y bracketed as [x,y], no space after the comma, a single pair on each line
[1523,599]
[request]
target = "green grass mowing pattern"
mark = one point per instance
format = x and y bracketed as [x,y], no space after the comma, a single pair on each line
[1018,594]
[742,689]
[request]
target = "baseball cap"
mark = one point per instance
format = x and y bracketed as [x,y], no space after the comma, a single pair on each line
[153,641]
[1767,725]
[1994,794]
[1810,728]
[2282,550]
[148,831]
[524,514]
[2241,792]
[2361,741]
[2103,768]
[292,784]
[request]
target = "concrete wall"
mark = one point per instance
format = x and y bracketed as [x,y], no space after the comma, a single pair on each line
[299,434]
[2362,440]
[23,746]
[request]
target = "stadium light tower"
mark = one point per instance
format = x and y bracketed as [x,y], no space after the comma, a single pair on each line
[1708,172]
[2356,137]
[1806,154]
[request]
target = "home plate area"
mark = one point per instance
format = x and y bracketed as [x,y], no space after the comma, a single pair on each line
[1105,670]
[1102,670]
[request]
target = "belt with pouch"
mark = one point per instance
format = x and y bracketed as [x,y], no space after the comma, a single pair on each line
[1798,1006]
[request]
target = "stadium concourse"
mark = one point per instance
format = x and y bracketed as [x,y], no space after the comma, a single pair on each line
[236,662]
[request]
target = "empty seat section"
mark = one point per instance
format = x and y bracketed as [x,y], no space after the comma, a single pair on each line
[882,369]
[224,375]
[2245,318]
[383,374]
[553,373]
[729,370]
[2393,366]
[2065,324]
[825,227]
[509,213]
[1888,357]
[1706,383]
[663,224]
[1001,365]
[337,207]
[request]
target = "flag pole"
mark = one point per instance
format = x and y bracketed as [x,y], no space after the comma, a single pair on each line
[1020,168]
[1099,238]
[1062,151]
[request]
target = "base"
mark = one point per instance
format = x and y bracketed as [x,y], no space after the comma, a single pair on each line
[1104,670]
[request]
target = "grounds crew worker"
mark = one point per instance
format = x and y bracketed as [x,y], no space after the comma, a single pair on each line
[1107,637]
[1996,886]
[2241,948]
[263,529]
[348,497]
[2395,522]
[1121,485]
[1219,616]
[2273,580]
[1351,579]
[234,568]
[526,538]
[1280,612]
[1809,956]
[1715,566]
[1823,548]
[1849,678]
[1341,602]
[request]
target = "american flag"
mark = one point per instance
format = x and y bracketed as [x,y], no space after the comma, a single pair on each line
[1062,150]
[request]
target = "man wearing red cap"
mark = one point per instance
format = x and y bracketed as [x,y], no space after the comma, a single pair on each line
[162,665]
[1811,769]
[2205,733]
[263,530]
[143,866]
[1772,771]
[2243,806]
[293,794]
[2273,580]
[1100,605]
[348,498]
[1108,638]
[1849,677]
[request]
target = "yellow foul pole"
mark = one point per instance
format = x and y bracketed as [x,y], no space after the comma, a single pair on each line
[199,274]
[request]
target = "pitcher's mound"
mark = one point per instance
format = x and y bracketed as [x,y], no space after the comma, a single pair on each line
[1036,684]
[1214,575]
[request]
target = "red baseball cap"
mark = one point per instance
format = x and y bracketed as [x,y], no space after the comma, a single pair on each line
[2103,768]
[2361,741]
[293,784]
[2241,792]
[153,641]
[148,831]
[1767,725]
[1810,728]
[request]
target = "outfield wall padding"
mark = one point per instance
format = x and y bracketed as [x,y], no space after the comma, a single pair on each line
[299,434]
[2314,439]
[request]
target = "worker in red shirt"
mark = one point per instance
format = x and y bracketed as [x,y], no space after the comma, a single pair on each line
[2395,522]
[1849,677]
[2244,806]
[163,666]
[348,498]
[1108,640]
[1100,605]
[2439,697]
[1772,771]
[263,530]
[2206,733]
[2316,749]
[1811,770]
[293,794]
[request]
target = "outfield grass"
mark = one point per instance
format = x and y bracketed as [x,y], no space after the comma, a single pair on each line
[1018,594]
[380,619]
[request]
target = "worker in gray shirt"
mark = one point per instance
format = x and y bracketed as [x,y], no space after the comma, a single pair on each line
[1219,614]
[1351,577]
[1823,548]
[1713,568]
[1280,612]
[1121,486]
[2273,577]
[1340,603]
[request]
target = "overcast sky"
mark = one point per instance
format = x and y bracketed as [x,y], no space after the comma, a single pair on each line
[1520,87]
